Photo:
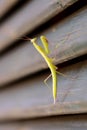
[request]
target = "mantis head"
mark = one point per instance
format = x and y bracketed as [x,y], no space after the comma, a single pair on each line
[33,40]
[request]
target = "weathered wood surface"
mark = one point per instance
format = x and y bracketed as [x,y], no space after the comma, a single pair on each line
[32,15]
[46,111]
[70,33]
[30,98]
[71,122]
[5,5]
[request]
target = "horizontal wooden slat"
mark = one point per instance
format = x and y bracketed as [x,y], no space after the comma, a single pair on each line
[71,122]
[5,5]
[45,111]
[30,98]
[33,14]
[25,60]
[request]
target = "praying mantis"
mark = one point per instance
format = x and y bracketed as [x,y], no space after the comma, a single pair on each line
[44,51]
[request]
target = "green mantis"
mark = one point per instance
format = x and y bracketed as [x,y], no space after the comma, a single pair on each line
[44,51]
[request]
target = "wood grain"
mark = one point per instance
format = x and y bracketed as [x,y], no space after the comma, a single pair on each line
[30,98]
[71,37]
[26,19]
[73,122]
[5,5]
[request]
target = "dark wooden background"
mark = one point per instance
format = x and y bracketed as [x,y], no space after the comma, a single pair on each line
[25,101]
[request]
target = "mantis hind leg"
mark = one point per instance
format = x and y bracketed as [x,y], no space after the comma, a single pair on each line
[66,76]
[61,74]
[45,81]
